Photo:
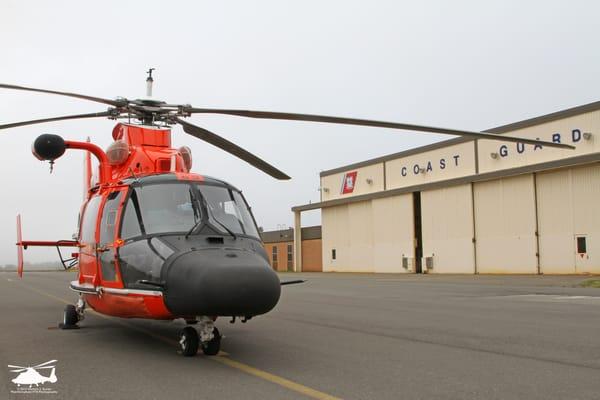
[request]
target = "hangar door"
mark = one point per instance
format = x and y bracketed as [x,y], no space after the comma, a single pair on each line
[368,236]
[505,225]
[568,220]
[347,232]
[393,233]
[447,229]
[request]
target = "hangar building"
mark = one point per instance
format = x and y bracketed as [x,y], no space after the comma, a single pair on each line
[469,206]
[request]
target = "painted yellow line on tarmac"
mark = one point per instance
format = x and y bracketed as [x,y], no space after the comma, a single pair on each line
[61,300]
[286,383]
[221,358]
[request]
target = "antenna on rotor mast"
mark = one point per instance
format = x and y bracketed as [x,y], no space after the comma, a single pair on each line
[149,82]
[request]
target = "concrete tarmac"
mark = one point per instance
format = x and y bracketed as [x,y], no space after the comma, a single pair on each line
[349,336]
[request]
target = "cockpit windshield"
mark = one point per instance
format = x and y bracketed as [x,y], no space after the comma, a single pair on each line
[227,210]
[178,207]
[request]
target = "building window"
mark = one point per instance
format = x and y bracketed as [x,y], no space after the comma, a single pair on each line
[274,257]
[290,257]
[333,254]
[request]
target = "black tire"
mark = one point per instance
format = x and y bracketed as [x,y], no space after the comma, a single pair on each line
[212,347]
[188,341]
[70,317]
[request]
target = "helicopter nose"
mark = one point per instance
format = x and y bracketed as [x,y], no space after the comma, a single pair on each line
[220,282]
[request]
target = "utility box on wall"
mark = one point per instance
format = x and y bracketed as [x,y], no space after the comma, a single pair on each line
[428,263]
[408,263]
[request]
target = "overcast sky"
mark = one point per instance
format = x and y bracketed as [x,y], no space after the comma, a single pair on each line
[461,64]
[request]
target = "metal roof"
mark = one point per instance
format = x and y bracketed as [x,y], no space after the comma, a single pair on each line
[284,235]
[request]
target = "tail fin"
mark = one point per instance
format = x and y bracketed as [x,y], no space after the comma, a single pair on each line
[52,378]
[19,247]
[87,172]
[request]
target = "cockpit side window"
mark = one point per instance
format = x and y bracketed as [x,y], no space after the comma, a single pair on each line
[245,214]
[109,218]
[227,208]
[88,226]
[131,225]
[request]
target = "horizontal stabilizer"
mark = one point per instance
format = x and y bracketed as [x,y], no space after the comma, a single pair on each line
[23,244]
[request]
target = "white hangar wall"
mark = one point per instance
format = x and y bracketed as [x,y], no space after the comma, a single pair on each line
[485,206]
[567,130]
[347,238]
[448,162]
[448,236]
[568,206]
[505,226]
[393,232]
[369,179]
[349,231]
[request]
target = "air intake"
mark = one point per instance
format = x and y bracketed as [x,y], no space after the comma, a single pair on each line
[163,165]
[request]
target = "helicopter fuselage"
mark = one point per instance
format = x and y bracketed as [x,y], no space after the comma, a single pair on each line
[157,241]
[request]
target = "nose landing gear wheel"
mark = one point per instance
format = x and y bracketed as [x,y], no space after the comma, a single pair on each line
[212,347]
[188,341]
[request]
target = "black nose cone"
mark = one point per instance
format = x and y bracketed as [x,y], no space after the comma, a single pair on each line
[220,282]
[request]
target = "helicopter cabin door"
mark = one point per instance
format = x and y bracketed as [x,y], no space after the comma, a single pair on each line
[88,264]
[106,250]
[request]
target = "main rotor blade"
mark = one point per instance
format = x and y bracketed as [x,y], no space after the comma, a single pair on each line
[44,363]
[378,124]
[114,103]
[41,121]
[231,148]
[16,366]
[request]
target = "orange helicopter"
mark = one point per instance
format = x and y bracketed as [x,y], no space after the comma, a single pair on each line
[158,241]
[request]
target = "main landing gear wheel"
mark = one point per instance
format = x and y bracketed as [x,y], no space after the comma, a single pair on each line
[189,341]
[212,347]
[70,318]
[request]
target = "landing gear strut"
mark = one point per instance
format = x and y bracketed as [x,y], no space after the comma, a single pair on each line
[72,315]
[207,337]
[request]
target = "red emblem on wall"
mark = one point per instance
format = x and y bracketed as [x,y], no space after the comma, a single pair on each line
[349,182]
